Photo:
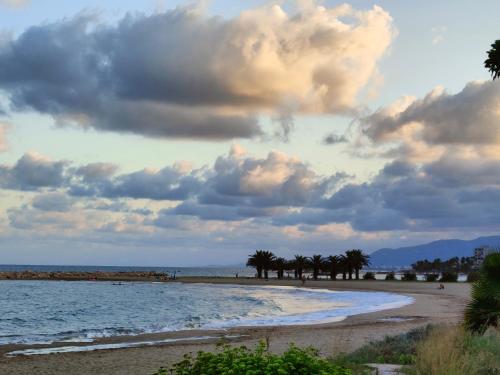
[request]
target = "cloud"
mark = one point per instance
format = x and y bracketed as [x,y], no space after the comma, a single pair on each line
[3,137]
[14,3]
[470,117]
[96,171]
[56,201]
[454,191]
[183,74]
[333,139]
[31,172]
[438,33]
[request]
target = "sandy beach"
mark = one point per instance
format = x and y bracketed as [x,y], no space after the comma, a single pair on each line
[430,306]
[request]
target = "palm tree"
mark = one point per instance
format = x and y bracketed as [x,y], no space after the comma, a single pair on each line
[349,262]
[333,265]
[357,261]
[492,63]
[484,309]
[300,263]
[262,261]
[343,266]
[279,265]
[316,262]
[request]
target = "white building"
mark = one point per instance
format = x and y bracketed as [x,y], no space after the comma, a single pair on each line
[482,252]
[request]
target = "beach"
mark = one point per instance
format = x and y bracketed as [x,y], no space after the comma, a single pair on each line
[430,305]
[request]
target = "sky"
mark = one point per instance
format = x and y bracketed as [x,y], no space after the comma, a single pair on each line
[175,133]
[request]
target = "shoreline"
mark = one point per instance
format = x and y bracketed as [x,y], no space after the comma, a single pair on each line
[430,306]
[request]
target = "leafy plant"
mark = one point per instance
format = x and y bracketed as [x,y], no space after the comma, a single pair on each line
[492,63]
[472,277]
[447,277]
[262,261]
[399,349]
[369,276]
[240,360]
[484,309]
[431,277]
[453,351]
[409,276]
[390,276]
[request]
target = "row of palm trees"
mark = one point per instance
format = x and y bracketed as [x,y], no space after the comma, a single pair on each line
[351,262]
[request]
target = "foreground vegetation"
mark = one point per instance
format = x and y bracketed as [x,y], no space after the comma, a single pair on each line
[240,360]
[454,351]
[484,309]
[431,350]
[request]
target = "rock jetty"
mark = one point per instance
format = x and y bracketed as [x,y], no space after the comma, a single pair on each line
[93,276]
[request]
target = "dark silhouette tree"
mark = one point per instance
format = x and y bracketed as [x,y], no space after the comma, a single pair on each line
[279,265]
[349,262]
[492,63]
[316,262]
[343,266]
[356,260]
[484,308]
[301,264]
[262,261]
[333,265]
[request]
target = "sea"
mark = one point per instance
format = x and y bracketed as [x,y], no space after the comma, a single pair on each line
[215,271]
[43,312]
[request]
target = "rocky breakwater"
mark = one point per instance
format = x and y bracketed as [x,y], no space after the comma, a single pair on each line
[92,276]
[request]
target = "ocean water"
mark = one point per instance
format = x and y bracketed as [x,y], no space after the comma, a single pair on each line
[71,311]
[179,271]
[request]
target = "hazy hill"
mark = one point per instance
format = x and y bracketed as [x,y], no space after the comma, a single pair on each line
[444,249]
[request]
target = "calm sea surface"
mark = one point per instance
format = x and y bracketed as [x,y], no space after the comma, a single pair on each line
[180,271]
[68,311]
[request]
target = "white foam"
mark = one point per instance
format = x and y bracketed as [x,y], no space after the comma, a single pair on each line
[89,348]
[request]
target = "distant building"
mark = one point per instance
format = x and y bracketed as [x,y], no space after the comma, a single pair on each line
[482,252]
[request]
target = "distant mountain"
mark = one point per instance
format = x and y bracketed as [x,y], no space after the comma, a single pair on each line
[444,249]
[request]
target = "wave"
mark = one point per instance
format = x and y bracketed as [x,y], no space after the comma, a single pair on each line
[83,312]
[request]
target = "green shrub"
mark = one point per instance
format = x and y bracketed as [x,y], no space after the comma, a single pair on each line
[484,309]
[453,351]
[409,276]
[448,277]
[369,276]
[431,277]
[390,276]
[399,349]
[240,360]
[472,277]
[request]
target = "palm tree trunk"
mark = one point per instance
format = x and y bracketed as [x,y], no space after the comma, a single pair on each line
[266,275]
[259,272]
[357,273]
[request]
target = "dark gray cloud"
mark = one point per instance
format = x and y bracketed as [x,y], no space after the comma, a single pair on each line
[32,172]
[187,75]
[96,171]
[451,192]
[169,183]
[55,201]
[333,139]
[471,116]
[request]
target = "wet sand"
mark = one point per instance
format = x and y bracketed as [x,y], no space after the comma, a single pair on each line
[431,306]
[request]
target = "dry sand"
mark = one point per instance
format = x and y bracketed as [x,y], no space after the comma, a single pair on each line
[431,306]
